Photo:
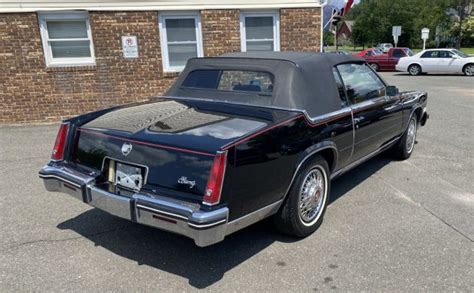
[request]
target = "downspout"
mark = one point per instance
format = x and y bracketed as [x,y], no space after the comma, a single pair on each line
[323,3]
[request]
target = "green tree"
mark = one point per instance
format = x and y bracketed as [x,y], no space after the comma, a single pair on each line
[374,20]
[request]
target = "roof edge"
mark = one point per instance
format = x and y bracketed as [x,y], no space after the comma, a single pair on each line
[11,7]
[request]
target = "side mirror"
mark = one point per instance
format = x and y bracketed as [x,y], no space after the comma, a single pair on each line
[391,90]
[455,57]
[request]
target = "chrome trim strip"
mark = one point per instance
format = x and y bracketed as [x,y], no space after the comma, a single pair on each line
[353,134]
[253,217]
[207,225]
[322,118]
[364,159]
[59,178]
[139,206]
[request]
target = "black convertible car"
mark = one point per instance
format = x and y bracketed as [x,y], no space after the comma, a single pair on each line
[236,139]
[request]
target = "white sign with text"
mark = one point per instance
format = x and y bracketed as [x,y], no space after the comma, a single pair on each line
[130,46]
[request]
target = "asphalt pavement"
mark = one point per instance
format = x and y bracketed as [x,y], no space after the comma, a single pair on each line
[390,226]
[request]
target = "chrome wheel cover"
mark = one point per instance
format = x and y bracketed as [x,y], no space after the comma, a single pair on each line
[374,66]
[411,135]
[312,196]
[414,70]
[469,71]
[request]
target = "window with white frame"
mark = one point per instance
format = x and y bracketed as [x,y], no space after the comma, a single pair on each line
[260,31]
[181,39]
[67,38]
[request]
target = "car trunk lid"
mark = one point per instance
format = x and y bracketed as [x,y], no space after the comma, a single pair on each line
[173,141]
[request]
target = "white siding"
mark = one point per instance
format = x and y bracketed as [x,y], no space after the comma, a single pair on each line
[111,5]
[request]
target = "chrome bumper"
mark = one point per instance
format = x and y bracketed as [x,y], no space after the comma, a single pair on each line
[205,227]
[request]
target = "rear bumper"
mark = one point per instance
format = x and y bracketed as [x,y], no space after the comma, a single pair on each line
[205,227]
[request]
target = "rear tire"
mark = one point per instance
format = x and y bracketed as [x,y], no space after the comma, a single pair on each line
[468,69]
[374,66]
[414,69]
[303,209]
[404,147]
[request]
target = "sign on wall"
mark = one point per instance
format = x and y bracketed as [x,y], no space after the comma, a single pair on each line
[129,46]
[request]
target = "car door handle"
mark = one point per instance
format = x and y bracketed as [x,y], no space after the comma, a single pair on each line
[358,120]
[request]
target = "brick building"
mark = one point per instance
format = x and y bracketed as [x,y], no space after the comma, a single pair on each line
[62,58]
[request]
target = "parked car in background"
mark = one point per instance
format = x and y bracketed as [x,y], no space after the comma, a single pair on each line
[387,62]
[368,52]
[236,139]
[437,61]
[384,47]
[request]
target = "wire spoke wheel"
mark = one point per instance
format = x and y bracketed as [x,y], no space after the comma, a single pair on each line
[312,196]
[411,135]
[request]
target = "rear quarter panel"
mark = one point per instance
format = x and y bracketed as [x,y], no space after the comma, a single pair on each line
[263,167]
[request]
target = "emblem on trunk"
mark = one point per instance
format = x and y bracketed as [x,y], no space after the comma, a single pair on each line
[126,148]
[184,180]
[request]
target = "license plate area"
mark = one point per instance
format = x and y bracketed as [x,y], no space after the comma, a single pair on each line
[125,175]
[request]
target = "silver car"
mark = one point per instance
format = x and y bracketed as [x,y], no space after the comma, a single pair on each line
[384,47]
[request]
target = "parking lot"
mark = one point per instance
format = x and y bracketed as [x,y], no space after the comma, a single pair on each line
[391,225]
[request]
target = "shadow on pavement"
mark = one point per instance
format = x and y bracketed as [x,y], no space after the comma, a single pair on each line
[178,255]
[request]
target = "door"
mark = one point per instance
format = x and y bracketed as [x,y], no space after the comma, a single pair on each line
[438,61]
[377,118]
[429,61]
[393,60]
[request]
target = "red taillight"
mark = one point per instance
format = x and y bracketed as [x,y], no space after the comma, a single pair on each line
[60,144]
[212,195]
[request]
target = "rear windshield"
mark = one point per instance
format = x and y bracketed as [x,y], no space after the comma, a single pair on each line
[230,80]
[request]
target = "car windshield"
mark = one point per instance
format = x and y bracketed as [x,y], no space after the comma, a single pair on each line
[461,54]
[409,52]
[377,52]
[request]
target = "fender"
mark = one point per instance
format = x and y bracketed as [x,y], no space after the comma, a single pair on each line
[417,104]
[308,154]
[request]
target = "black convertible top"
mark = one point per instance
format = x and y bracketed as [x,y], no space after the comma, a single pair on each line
[303,80]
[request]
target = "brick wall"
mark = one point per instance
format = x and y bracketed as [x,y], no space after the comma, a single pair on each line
[220,31]
[300,29]
[30,92]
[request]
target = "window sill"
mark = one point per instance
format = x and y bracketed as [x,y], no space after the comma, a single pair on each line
[70,68]
[171,73]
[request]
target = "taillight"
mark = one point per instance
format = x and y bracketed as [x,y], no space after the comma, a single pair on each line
[212,195]
[60,143]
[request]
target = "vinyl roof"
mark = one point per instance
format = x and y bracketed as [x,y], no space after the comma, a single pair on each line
[302,80]
[298,58]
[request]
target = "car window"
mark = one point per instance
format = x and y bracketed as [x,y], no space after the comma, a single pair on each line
[431,54]
[445,54]
[398,53]
[408,52]
[340,87]
[361,82]
[460,53]
[230,80]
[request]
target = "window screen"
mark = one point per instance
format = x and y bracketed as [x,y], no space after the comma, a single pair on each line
[67,38]
[230,80]
[180,39]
